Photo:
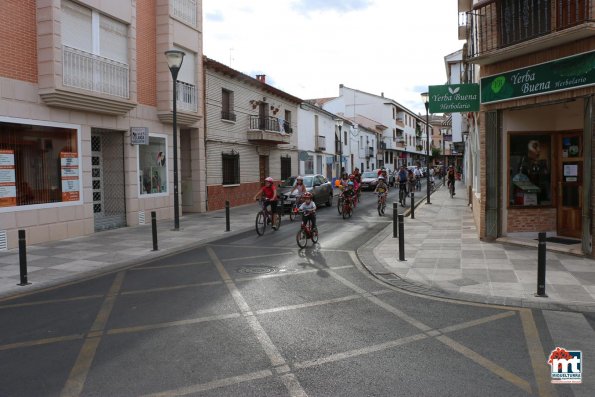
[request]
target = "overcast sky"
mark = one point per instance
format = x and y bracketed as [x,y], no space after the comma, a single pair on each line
[308,47]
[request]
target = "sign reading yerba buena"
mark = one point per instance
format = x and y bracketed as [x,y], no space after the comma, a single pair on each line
[559,75]
[454,98]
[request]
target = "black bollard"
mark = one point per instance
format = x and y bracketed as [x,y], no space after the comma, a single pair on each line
[541,265]
[23,258]
[395,219]
[154,229]
[401,237]
[412,206]
[227,227]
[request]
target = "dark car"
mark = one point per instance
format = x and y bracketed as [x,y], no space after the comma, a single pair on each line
[318,185]
[369,180]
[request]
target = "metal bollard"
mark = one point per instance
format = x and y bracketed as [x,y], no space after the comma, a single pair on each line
[227,226]
[154,229]
[395,219]
[412,206]
[541,265]
[23,258]
[401,237]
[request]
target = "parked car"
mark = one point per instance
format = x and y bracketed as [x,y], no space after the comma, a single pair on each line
[317,184]
[369,180]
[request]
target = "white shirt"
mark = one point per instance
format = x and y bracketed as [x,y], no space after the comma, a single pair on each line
[417,172]
[308,207]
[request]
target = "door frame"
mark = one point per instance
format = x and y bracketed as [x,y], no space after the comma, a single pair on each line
[559,182]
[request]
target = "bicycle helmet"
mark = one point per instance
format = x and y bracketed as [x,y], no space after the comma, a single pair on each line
[299,178]
[307,195]
[351,177]
[350,183]
[380,177]
[269,179]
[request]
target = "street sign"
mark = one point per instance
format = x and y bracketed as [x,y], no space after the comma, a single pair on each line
[303,156]
[139,135]
[454,98]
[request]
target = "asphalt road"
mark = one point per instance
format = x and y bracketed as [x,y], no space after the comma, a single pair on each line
[256,316]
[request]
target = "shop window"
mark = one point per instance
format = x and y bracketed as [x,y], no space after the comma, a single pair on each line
[231,169]
[38,165]
[152,166]
[530,170]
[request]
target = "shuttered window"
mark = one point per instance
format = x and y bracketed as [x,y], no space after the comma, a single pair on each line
[77,26]
[231,169]
[187,72]
[113,41]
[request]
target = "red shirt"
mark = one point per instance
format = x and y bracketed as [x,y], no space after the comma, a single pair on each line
[268,192]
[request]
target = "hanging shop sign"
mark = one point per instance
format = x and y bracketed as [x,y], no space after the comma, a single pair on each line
[8,187]
[453,98]
[559,75]
[69,172]
[139,135]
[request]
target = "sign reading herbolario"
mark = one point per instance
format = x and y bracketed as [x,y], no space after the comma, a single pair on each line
[454,98]
[69,165]
[559,75]
[8,187]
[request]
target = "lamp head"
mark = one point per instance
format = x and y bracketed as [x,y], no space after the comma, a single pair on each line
[174,59]
[339,122]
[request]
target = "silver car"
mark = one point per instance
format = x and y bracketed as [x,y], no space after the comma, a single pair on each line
[317,184]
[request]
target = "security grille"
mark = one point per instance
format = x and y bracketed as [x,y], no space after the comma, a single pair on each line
[141,217]
[3,241]
[107,179]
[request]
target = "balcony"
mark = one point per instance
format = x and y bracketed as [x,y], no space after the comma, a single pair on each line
[186,97]
[502,29]
[229,116]
[184,10]
[400,144]
[268,130]
[400,123]
[320,144]
[91,83]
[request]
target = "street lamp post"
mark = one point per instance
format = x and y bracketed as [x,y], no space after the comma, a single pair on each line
[339,124]
[174,62]
[425,97]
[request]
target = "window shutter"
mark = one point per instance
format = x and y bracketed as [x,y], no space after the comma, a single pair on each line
[187,73]
[113,39]
[76,26]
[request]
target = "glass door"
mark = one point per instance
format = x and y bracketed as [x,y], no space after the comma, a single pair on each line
[570,183]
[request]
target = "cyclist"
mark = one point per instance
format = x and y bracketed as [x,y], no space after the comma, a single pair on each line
[269,193]
[357,175]
[411,181]
[349,193]
[308,210]
[300,190]
[418,174]
[450,176]
[381,187]
[344,179]
[401,179]
[355,188]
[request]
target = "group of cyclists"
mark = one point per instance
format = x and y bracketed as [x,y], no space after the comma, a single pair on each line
[349,184]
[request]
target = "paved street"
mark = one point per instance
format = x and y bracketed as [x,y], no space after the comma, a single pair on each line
[246,315]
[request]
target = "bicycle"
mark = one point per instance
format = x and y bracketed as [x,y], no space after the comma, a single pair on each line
[265,217]
[381,203]
[347,210]
[451,188]
[417,183]
[295,204]
[306,232]
[340,201]
[402,193]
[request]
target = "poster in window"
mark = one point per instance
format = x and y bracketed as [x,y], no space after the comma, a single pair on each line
[8,189]
[69,171]
[530,169]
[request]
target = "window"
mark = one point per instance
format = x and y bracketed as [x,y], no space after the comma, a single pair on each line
[319,164]
[530,170]
[227,112]
[524,20]
[231,169]
[287,123]
[38,165]
[285,168]
[309,165]
[152,173]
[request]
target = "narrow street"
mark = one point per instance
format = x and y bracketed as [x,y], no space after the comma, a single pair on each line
[255,316]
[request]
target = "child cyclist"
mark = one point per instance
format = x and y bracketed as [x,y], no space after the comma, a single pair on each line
[269,193]
[349,193]
[308,210]
[353,179]
[381,187]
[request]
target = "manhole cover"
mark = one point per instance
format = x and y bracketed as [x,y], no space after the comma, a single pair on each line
[257,269]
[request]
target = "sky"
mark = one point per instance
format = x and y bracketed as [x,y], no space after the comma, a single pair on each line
[308,47]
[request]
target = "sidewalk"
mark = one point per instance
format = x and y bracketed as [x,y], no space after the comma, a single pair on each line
[57,262]
[444,257]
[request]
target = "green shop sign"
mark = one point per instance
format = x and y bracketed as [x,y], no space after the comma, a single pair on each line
[454,98]
[562,74]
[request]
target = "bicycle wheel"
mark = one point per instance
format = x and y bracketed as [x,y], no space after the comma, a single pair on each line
[451,190]
[292,213]
[260,224]
[345,213]
[379,208]
[277,222]
[301,238]
[340,205]
[383,207]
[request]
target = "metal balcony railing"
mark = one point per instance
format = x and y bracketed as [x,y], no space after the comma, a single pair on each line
[320,143]
[269,124]
[231,116]
[92,72]
[370,152]
[499,24]
[184,10]
[187,100]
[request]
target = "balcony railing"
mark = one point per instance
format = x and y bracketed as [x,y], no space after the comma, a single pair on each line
[370,152]
[184,10]
[187,98]
[499,24]
[228,116]
[92,72]
[269,124]
[320,143]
